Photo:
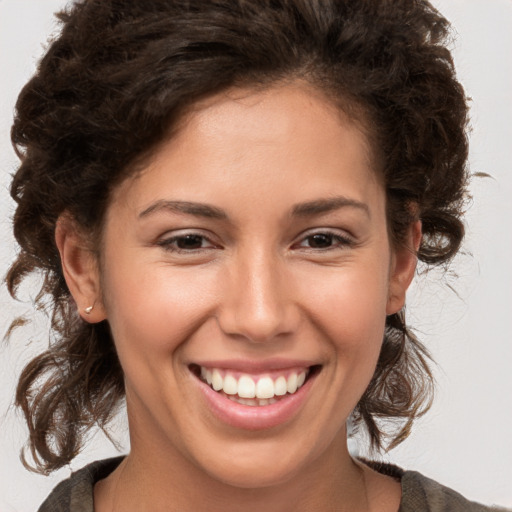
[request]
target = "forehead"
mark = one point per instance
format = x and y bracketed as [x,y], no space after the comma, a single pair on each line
[276,113]
[289,141]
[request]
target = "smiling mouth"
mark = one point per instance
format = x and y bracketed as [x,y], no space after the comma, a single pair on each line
[254,390]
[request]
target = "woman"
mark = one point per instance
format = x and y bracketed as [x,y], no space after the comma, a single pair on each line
[227,200]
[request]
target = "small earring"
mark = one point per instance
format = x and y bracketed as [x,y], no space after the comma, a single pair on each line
[88,310]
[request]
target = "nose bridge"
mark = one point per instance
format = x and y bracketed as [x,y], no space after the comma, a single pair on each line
[257,304]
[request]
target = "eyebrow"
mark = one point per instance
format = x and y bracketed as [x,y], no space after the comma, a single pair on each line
[308,209]
[320,206]
[187,207]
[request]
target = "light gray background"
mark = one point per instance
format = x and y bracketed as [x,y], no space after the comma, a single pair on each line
[465,441]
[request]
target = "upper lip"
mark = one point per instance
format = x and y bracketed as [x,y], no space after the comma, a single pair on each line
[256,366]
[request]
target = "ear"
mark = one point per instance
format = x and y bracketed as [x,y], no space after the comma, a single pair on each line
[403,265]
[80,268]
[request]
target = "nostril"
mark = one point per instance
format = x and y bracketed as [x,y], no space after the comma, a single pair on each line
[258,327]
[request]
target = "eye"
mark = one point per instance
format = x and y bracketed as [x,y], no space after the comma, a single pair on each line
[320,240]
[325,240]
[186,242]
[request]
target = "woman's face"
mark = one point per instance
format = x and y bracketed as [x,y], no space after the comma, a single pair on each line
[252,252]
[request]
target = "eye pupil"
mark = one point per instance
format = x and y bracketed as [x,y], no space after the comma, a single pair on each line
[190,242]
[320,240]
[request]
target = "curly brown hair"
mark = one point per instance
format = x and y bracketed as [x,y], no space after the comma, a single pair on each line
[119,77]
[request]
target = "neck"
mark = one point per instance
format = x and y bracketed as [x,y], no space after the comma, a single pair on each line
[150,480]
[158,475]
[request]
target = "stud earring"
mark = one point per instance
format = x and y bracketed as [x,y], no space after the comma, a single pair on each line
[88,310]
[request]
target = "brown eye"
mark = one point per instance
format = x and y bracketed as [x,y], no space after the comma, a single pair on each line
[325,240]
[185,243]
[189,242]
[320,240]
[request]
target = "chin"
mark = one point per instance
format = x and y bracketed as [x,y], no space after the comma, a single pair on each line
[255,466]
[256,476]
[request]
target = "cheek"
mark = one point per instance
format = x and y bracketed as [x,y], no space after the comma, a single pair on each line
[153,308]
[350,306]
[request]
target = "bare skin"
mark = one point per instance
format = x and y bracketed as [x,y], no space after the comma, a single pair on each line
[359,489]
[256,236]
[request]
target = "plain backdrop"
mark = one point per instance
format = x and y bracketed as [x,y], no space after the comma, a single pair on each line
[465,316]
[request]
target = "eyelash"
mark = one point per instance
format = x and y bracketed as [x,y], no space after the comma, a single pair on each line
[168,244]
[337,240]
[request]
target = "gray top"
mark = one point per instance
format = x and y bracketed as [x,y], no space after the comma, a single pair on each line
[419,493]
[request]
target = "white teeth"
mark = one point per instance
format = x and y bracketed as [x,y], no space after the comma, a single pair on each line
[253,402]
[250,390]
[217,380]
[246,387]
[230,386]
[280,386]
[265,388]
[291,383]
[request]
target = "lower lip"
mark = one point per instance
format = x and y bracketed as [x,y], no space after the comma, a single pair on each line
[255,417]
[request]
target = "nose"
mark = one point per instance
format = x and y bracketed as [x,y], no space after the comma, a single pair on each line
[258,303]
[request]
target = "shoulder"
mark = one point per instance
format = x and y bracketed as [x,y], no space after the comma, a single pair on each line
[421,494]
[75,494]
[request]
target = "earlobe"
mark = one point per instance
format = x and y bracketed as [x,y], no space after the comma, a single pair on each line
[80,269]
[403,267]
